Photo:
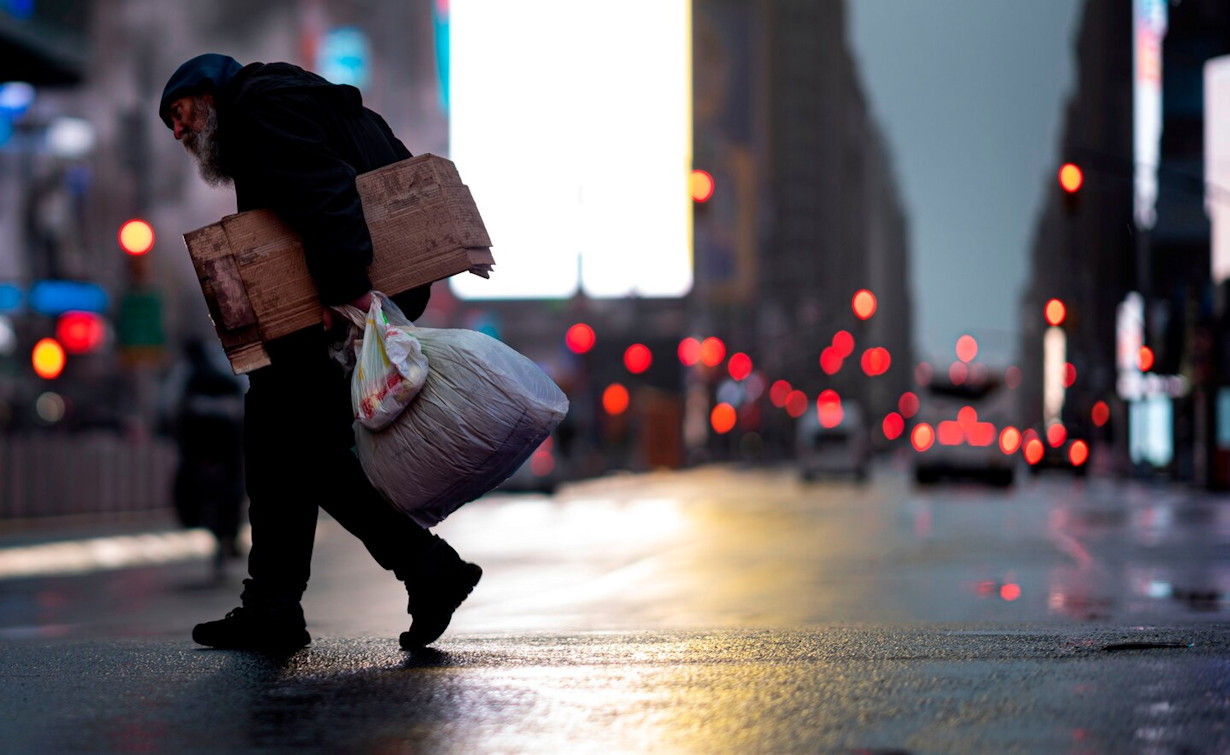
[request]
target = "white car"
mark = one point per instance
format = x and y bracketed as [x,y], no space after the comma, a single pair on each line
[957,431]
[844,449]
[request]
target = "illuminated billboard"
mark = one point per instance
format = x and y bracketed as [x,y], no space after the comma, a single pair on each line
[1149,28]
[571,124]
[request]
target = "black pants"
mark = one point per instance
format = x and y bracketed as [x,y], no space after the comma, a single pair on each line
[298,443]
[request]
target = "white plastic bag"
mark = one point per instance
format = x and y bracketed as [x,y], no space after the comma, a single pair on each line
[390,368]
[482,411]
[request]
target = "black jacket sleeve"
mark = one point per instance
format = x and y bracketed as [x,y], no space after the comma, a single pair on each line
[287,163]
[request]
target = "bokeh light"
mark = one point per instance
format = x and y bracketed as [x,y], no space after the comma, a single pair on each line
[722,418]
[1078,452]
[136,237]
[1144,359]
[831,360]
[893,425]
[1034,450]
[779,392]
[637,358]
[864,304]
[1056,434]
[701,185]
[1012,377]
[1055,312]
[689,351]
[796,404]
[967,348]
[843,342]
[579,338]
[740,366]
[1009,440]
[922,437]
[615,399]
[908,404]
[1100,413]
[48,358]
[712,351]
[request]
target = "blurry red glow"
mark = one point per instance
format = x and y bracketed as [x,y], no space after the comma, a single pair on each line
[723,418]
[923,373]
[830,360]
[796,404]
[1034,450]
[1012,377]
[876,361]
[80,332]
[949,433]
[958,372]
[1010,591]
[1069,374]
[966,417]
[843,342]
[689,351]
[893,425]
[981,434]
[864,304]
[922,437]
[1078,453]
[778,392]
[908,404]
[1055,312]
[541,463]
[615,399]
[1071,178]
[740,366]
[1056,434]
[1144,359]
[967,348]
[828,409]
[712,351]
[1009,440]
[579,338]
[701,185]
[1101,413]
[637,358]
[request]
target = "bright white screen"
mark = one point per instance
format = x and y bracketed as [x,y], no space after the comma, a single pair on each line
[570,121]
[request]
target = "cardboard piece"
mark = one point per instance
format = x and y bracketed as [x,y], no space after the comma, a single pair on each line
[424,226]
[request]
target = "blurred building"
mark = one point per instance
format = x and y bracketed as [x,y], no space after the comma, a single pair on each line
[1128,252]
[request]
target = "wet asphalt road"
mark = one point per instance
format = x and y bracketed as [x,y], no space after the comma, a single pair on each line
[713,610]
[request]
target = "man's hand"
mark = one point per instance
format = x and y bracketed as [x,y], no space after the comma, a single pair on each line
[363,303]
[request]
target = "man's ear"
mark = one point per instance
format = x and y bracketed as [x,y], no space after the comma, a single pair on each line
[208,97]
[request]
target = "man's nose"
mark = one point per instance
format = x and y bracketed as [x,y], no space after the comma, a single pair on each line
[179,129]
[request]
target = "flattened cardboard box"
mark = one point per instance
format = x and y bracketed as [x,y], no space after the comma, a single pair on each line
[424,227]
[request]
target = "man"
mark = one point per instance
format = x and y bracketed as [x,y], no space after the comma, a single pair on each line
[292,142]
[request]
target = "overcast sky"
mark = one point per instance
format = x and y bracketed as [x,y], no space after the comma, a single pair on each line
[970,95]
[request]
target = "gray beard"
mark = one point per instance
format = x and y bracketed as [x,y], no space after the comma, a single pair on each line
[203,146]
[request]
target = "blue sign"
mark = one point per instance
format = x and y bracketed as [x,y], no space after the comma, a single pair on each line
[58,297]
[10,297]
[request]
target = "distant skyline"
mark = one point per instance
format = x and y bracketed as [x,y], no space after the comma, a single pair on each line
[970,96]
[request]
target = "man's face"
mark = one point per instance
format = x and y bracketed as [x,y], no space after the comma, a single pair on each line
[194,121]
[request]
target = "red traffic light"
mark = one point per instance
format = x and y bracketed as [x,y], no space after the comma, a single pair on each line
[1071,178]
[136,237]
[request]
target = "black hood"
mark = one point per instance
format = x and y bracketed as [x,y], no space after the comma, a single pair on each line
[210,72]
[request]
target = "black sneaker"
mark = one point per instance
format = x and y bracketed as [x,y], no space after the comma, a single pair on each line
[281,630]
[431,607]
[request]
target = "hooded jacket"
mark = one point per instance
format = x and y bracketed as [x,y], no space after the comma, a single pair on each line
[293,143]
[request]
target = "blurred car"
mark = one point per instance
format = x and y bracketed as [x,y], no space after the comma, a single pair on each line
[1054,448]
[843,449]
[958,430]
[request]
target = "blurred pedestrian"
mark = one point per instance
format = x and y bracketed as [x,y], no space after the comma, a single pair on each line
[208,428]
[291,142]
